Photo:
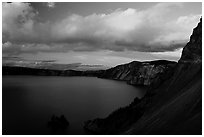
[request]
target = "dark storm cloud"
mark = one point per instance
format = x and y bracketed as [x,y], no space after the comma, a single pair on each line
[146,30]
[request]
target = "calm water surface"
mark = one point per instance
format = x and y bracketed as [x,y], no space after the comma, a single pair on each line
[28,102]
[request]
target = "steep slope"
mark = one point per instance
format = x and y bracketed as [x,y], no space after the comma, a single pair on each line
[192,52]
[140,73]
[175,107]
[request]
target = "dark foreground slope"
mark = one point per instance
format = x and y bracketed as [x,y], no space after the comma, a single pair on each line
[175,107]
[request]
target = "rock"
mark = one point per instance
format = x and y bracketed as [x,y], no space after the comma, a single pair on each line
[139,73]
[192,52]
[93,125]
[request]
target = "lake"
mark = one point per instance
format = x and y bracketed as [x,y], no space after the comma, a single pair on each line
[28,102]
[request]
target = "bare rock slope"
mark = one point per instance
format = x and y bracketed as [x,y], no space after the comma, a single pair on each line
[140,73]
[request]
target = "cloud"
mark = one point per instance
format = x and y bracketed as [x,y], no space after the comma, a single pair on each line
[18,22]
[50,4]
[148,30]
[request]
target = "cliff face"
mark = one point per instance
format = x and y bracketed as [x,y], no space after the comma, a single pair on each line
[175,107]
[192,52]
[140,73]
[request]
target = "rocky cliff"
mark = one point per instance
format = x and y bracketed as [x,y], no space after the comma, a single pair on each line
[192,52]
[140,73]
[174,107]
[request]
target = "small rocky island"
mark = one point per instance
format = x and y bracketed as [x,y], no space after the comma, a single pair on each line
[58,122]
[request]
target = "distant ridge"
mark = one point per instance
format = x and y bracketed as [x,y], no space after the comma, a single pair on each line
[135,73]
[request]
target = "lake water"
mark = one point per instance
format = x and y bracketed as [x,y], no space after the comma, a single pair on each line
[28,102]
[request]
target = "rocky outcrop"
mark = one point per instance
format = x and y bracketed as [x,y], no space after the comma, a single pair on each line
[175,107]
[140,73]
[192,52]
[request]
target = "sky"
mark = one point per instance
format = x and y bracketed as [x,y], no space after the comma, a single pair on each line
[107,33]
